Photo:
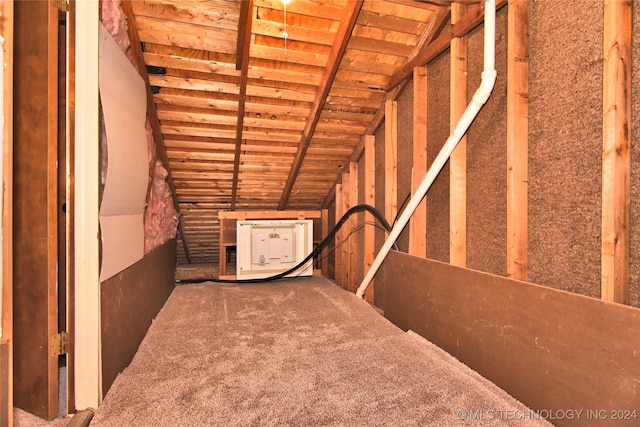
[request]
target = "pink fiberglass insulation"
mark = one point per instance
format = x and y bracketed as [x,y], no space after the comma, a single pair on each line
[115,21]
[160,217]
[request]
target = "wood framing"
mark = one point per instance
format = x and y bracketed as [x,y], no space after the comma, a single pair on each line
[517,138]
[244,35]
[369,199]
[346,232]
[616,157]
[391,160]
[6,289]
[418,222]
[339,46]
[353,221]
[339,267]
[458,160]
[324,262]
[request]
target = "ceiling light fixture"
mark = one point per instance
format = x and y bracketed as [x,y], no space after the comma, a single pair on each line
[284,33]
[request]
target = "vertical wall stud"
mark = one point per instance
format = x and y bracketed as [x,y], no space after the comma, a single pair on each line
[458,160]
[391,160]
[339,236]
[418,224]
[517,138]
[616,153]
[370,199]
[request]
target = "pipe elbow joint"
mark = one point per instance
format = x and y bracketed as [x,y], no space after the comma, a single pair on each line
[486,86]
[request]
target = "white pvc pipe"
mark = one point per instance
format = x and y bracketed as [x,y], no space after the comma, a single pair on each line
[479,99]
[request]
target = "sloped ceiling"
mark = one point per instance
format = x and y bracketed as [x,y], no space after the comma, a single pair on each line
[254,120]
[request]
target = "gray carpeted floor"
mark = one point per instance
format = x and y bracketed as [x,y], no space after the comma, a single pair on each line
[299,352]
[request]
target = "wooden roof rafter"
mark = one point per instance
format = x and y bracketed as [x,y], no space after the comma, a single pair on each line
[347,23]
[152,114]
[430,33]
[468,22]
[244,36]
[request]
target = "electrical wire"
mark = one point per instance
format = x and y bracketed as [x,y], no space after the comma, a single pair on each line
[358,208]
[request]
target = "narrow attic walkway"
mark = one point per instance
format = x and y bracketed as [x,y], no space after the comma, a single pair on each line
[295,352]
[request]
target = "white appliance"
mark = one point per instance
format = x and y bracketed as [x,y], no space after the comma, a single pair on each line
[267,247]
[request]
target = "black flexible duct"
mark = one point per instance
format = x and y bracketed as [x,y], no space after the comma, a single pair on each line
[313,254]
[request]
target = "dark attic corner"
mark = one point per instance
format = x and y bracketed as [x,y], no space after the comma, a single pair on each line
[319,212]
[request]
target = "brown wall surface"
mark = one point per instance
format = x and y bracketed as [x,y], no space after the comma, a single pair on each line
[129,302]
[437,133]
[565,152]
[550,349]
[565,144]
[487,159]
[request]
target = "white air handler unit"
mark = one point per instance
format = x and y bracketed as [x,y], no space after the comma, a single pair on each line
[265,248]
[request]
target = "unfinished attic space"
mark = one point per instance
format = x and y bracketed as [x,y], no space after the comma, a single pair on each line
[321,212]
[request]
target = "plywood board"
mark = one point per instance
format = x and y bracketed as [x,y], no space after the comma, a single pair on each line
[552,350]
[123,200]
[130,301]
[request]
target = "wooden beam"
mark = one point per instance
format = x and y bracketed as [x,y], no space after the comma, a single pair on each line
[433,28]
[517,138]
[348,21]
[324,262]
[418,222]
[337,253]
[6,306]
[185,245]
[344,242]
[369,199]
[353,223]
[462,27]
[152,113]
[391,161]
[458,159]
[329,198]
[246,31]
[616,157]
[242,46]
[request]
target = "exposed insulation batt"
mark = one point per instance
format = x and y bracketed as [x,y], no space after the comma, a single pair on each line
[161,218]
